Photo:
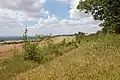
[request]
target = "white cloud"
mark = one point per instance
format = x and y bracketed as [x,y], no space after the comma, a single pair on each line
[42,1]
[54,26]
[8,31]
[31,8]
[75,13]
[14,12]
[49,20]
[9,18]
[81,17]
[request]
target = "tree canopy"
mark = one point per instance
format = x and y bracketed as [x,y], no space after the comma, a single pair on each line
[107,11]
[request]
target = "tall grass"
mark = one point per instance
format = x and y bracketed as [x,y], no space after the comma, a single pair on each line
[97,58]
[15,65]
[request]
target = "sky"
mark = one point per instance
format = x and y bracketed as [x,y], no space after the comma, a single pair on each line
[44,17]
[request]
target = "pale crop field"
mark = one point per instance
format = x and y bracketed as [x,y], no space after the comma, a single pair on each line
[6,50]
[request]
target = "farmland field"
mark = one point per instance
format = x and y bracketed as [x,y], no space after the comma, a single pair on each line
[7,50]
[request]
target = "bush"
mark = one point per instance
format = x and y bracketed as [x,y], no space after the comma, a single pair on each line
[32,51]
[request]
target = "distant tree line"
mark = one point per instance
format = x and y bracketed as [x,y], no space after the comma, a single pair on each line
[2,40]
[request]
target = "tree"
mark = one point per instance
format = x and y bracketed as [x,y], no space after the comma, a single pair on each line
[107,11]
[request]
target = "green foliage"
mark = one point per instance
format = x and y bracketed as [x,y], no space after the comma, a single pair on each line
[107,11]
[32,51]
[12,42]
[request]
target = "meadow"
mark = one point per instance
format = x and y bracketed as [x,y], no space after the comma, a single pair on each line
[95,57]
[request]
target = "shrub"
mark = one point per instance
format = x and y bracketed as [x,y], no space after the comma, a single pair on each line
[31,49]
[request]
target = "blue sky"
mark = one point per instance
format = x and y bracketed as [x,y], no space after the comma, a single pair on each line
[44,17]
[60,9]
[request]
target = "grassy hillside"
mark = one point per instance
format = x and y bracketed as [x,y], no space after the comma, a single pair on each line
[96,58]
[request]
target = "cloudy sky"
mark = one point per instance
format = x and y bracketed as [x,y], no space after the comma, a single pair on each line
[44,17]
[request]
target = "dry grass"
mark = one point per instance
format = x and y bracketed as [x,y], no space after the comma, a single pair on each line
[97,58]
[6,51]
[94,60]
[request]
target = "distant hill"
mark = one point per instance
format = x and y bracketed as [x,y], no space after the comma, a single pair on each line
[6,38]
[13,38]
[63,35]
